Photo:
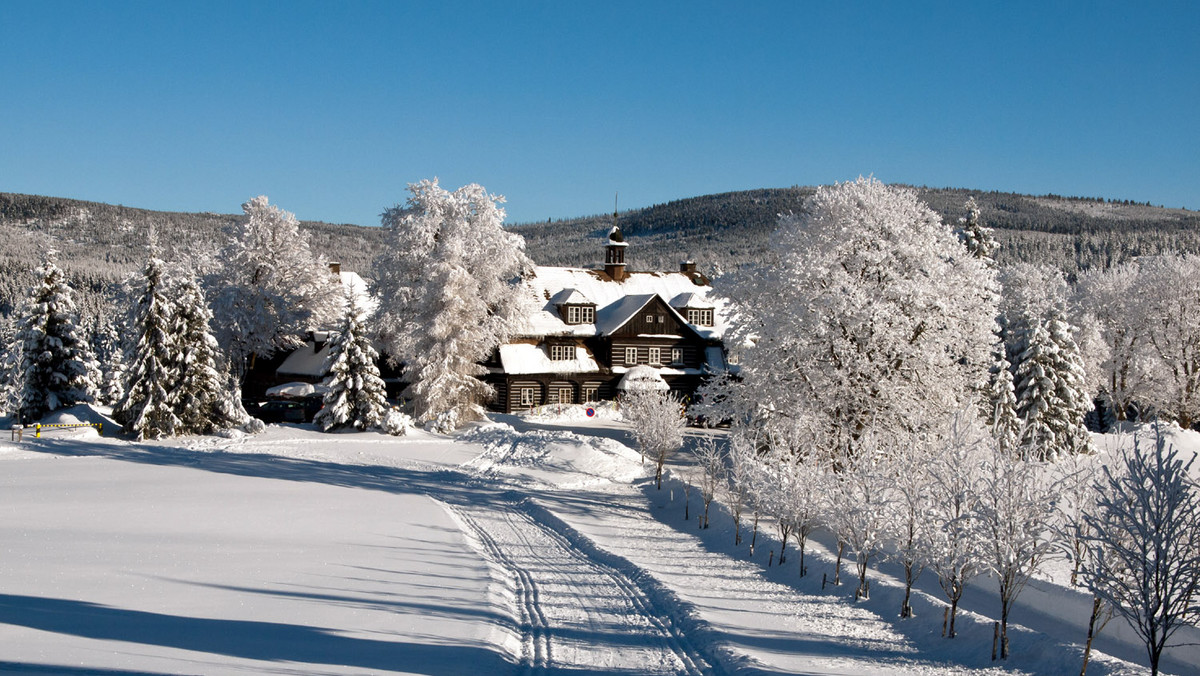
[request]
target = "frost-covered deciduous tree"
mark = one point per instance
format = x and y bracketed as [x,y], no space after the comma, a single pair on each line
[907,525]
[357,396]
[57,367]
[272,288]
[870,309]
[656,420]
[710,460]
[147,409]
[862,508]
[1015,523]
[1111,297]
[1168,291]
[953,545]
[1145,532]
[449,294]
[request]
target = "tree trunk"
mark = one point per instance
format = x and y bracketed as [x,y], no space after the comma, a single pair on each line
[864,585]
[1005,604]
[905,609]
[837,572]
[803,570]
[737,527]
[754,537]
[953,614]
[1087,649]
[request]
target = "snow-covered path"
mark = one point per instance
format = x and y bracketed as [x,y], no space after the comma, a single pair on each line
[576,613]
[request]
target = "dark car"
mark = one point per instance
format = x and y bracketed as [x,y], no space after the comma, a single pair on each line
[288,410]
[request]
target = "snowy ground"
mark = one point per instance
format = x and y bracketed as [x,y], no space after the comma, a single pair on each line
[527,546]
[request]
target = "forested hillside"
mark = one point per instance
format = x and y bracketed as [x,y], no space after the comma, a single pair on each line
[99,244]
[730,229]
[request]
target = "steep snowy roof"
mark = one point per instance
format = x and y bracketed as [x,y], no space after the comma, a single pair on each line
[305,361]
[613,300]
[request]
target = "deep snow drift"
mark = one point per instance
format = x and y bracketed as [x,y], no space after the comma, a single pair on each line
[526,546]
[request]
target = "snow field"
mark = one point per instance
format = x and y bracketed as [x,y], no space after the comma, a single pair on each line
[519,547]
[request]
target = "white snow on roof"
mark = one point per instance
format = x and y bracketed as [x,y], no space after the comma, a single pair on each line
[642,378]
[610,298]
[305,361]
[524,358]
[571,297]
[691,299]
[296,390]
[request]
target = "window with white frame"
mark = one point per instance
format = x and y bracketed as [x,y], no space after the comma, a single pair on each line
[649,319]
[655,356]
[562,352]
[677,355]
[562,394]
[631,355]
[700,317]
[591,392]
[528,396]
[581,314]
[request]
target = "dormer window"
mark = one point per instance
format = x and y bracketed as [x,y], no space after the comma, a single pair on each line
[581,314]
[700,316]
[562,353]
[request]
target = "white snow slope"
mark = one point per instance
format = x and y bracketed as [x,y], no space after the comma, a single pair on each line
[519,547]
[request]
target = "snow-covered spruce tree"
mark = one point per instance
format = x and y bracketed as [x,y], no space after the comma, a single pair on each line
[952,545]
[1051,389]
[272,288]
[1000,403]
[1145,535]
[870,309]
[357,396]
[449,294]
[147,409]
[976,236]
[1168,293]
[1015,519]
[200,397]
[10,364]
[56,360]
[110,354]
[656,420]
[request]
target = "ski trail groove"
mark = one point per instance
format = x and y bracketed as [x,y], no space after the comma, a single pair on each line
[535,640]
[575,611]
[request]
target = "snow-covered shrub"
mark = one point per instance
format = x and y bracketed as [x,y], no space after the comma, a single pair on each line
[445,423]
[397,423]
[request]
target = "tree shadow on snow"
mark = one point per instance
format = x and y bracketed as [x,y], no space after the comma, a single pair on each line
[266,641]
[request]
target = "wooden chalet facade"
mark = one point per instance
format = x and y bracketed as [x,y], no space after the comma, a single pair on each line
[596,332]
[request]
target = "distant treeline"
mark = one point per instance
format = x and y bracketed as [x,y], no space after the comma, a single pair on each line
[731,229]
[100,244]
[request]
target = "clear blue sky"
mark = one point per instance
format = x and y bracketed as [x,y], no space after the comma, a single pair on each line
[332,108]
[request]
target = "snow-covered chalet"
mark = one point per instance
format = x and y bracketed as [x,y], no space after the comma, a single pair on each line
[593,333]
